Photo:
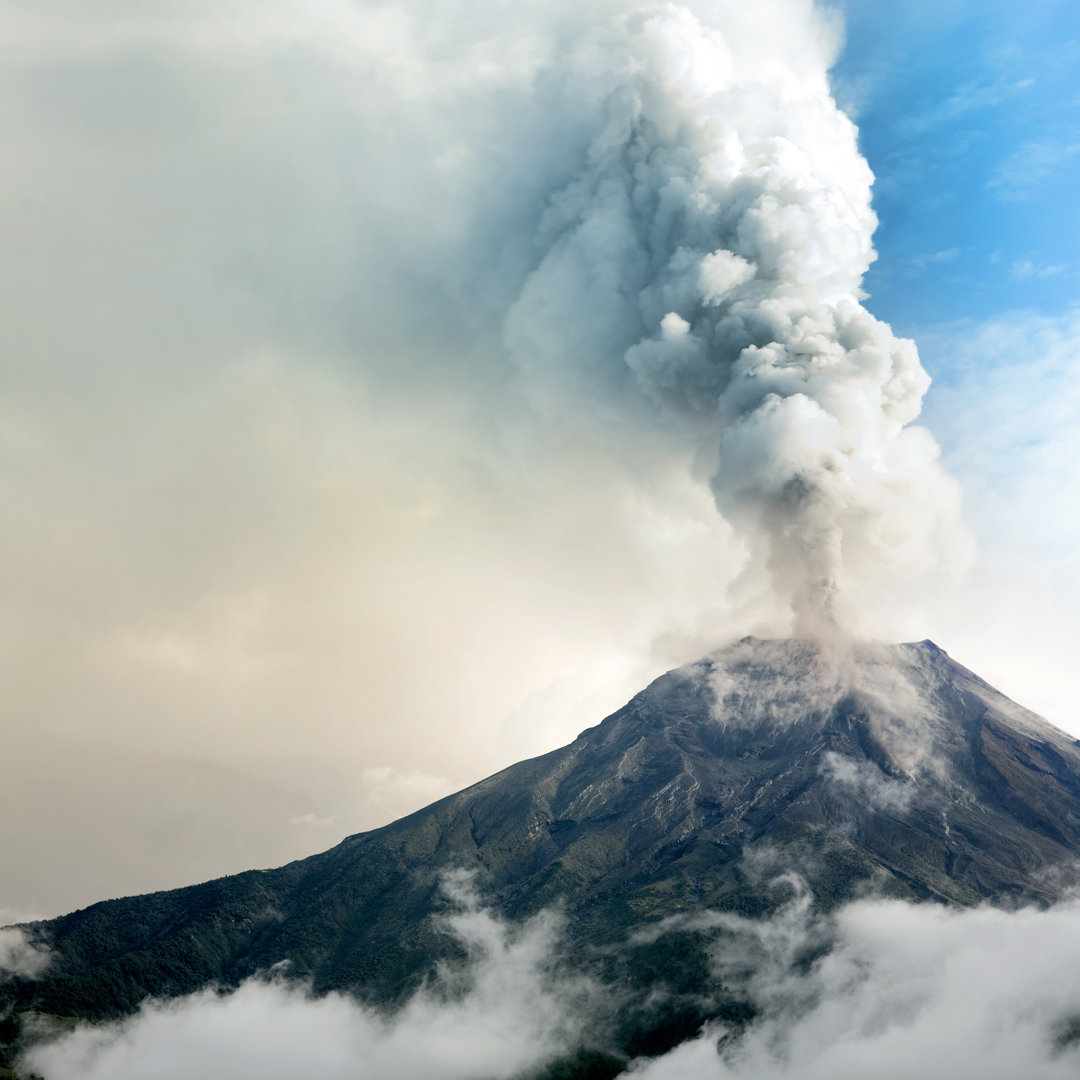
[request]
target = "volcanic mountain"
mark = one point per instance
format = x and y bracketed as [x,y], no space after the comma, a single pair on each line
[861,768]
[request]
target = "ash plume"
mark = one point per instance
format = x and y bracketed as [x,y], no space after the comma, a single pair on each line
[699,271]
[642,226]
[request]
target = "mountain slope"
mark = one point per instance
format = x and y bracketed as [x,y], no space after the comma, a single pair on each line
[885,767]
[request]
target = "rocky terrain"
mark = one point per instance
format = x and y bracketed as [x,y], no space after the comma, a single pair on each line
[889,769]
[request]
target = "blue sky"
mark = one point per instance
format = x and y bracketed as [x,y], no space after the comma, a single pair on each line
[969,115]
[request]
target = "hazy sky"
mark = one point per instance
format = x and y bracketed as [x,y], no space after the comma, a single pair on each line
[312,510]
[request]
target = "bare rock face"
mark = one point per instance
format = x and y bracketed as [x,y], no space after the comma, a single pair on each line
[863,768]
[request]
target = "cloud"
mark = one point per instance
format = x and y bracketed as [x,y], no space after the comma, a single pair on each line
[314,819]
[1030,166]
[510,1007]
[20,956]
[903,990]
[402,792]
[868,783]
[879,988]
[1027,268]
[970,97]
[947,255]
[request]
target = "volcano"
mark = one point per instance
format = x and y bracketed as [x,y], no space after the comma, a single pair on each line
[886,769]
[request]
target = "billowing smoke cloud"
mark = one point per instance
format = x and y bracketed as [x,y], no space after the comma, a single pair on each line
[701,268]
[771,686]
[880,988]
[708,259]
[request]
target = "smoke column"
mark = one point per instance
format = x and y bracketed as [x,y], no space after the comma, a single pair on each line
[698,269]
[644,225]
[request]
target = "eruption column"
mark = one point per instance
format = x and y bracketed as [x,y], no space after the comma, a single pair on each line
[701,271]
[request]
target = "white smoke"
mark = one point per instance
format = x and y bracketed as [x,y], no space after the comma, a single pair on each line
[867,782]
[700,268]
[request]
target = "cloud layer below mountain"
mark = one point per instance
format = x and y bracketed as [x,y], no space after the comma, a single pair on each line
[882,988]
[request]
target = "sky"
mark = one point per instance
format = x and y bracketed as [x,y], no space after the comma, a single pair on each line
[970,118]
[326,491]
[968,115]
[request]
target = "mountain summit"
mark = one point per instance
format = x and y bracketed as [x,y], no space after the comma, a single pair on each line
[866,768]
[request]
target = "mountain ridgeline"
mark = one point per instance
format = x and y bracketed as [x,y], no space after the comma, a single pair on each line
[872,768]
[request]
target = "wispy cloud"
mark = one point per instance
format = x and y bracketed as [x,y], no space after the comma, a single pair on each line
[937,257]
[1034,162]
[968,98]
[866,781]
[920,264]
[402,791]
[1027,268]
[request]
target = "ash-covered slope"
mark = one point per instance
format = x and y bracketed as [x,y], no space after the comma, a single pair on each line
[889,767]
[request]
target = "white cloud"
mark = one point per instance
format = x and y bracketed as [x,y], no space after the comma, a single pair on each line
[21,956]
[1020,174]
[906,991]
[868,783]
[1027,268]
[970,97]
[311,818]
[509,1009]
[880,988]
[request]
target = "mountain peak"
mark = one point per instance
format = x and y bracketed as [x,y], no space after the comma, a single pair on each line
[862,766]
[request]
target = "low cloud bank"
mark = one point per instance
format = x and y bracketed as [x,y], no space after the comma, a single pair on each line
[907,990]
[511,1008]
[881,988]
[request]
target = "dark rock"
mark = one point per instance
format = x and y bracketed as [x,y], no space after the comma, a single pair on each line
[887,768]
